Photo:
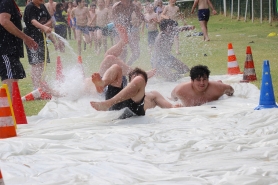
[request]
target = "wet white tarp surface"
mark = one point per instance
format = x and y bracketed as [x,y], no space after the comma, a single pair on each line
[221,142]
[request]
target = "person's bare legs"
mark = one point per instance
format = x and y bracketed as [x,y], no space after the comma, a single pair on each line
[110,60]
[79,41]
[117,49]
[98,40]
[112,76]
[36,74]
[104,41]
[134,90]
[177,42]
[203,25]
[134,47]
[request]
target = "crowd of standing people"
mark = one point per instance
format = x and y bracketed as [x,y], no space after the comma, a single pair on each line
[92,24]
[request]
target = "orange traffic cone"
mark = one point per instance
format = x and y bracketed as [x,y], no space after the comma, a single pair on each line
[7,121]
[249,69]
[233,67]
[37,94]
[59,68]
[1,179]
[79,59]
[19,112]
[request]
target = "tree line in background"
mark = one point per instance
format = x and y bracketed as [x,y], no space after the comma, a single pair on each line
[242,7]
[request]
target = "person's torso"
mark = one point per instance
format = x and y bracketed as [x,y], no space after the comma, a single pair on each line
[123,14]
[81,16]
[39,14]
[102,17]
[10,44]
[173,12]
[152,26]
[51,7]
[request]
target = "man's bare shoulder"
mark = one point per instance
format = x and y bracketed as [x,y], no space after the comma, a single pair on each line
[183,87]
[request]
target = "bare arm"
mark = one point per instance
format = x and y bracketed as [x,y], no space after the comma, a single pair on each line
[88,17]
[160,101]
[92,20]
[194,6]
[139,13]
[229,90]
[211,6]
[174,96]
[42,27]
[10,27]
[163,14]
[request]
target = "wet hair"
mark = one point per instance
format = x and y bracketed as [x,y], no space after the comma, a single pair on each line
[78,1]
[138,71]
[167,23]
[199,71]
[59,6]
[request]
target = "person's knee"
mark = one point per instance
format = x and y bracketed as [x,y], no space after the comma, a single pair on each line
[110,58]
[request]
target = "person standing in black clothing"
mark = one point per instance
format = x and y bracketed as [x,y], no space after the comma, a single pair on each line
[11,46]
[38,25]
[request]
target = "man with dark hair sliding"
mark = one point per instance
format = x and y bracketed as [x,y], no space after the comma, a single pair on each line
[133,96]
[200,90]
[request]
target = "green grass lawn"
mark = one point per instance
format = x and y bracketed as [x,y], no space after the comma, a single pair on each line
[194,50]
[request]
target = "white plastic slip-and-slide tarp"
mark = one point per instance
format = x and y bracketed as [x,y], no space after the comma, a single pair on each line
[221,142]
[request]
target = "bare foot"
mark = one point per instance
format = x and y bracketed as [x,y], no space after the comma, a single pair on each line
[178,53]
[96,79]
[100,106]
[151,73]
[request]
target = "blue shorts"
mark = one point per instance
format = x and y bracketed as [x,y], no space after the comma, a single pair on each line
[84,29]
[203,14]
[104,30]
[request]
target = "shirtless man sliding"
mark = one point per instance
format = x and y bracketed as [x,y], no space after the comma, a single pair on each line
[203,15]
[200,90]
[82,15]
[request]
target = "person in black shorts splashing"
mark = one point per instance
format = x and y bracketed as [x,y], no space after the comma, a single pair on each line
[133,96]
[203,15]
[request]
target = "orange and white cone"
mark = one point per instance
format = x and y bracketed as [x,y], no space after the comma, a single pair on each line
[1,179]
[249,73]
[18,107]
[7,120]
[79,60]
[37,94]
[233,67]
